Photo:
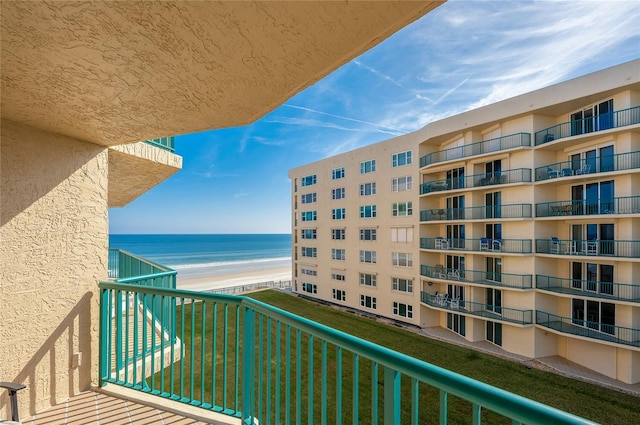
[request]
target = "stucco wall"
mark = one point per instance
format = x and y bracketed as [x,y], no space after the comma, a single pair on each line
[53,251]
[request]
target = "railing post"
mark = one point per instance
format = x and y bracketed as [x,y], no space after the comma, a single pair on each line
[104,329]
[391,396]
[248,361]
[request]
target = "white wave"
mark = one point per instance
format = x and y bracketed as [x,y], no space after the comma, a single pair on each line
[228,263]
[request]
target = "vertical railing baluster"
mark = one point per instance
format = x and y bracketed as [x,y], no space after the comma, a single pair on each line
[268,367]
[225,346]
[118,325]
[391,396]
[182,354]
[287,372]
[192,344]
[374,393]
[248,365]
[338,385]
[203,336]
[277,365]
[477,414]
[162,338]
[323,374]
[214,356]
[260,362]
[173,341]
[356,388]
[443,408]
[103,349]
[143,323]
[126,342]
[153,341]
[236,405]
[310,373]
[415,401]
[298,378]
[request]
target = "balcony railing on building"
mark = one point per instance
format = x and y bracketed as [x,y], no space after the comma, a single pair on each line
[589,329]
[619,205]
[517,175]
[596,123]
[587,166]
[488,311]
[484,212]
[512,246]
[248,360]
[589,288]
[166,143]
[494,145]
[594,247]
[491,278]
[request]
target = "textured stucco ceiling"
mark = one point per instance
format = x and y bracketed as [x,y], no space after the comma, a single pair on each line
[118,72]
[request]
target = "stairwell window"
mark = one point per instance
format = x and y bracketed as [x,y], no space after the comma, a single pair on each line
[368,257]
[401,209]
[337,173]
[309,180]
[368,211]
[368,166]
[401,184]
[400,159]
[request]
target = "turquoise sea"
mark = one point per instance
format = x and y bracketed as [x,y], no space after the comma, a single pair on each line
[195,255]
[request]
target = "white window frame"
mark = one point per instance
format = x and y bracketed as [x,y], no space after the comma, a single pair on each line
[310,288]
[368,211]
[372,233]
[368,279]
[401,158]
[368,257]
[337,193]
[402,259]
[402,209]
[338,214]
[339,294]
[338,234]
[367,167]
[338,254]
[337,173]
[408,310]
[309,180]
[397,286]
[368,189]
[367,301]
[402,184]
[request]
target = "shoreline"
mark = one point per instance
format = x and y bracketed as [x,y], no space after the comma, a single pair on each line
[208,281]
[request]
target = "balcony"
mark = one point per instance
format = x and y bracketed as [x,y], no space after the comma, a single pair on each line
[484,212]
[250,361]
[587,329]
[621,205]
[587,166]
[166,143]
[490,246]
[595,247]
[491,312]
[518,175]
[589,288]
[505,280]
[602,122]
[488,146]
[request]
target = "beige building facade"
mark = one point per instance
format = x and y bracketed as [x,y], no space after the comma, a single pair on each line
[520,225]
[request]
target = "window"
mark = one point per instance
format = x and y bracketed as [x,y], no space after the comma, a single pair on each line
[337,173]
[309,198]
[368,257]
[456,236]
[367,189]
[402,234]
[455,178]
[368,166]
[400,159]
[309,272]
[308,233]
[455,265]
[494,269]
[309,216]
[402,285]
[401,184]
[594,315]
[593,198]
[338,295]
[338,254]
[368,302]
[493,205]
[403,310]
[309,180]
[310,288]
[592,277]
[337,234]
[368,211]
[338,276]
[309,252]
[368,234]
[494,333]
[494,300]
[456,323]
[402,259]
[455,208]
[337,193]
[594,118]
[338,214]
[367,279]
[402,209]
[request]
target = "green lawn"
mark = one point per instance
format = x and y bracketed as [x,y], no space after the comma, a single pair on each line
[208,378]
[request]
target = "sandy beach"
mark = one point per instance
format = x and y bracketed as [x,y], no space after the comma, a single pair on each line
[203,281]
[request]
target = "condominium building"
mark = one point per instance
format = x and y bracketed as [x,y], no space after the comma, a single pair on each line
[517,223]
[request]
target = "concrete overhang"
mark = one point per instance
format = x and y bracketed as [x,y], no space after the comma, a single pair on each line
[120,72]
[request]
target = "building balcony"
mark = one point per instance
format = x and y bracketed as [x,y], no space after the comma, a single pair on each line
[477,277]
[589,288]
[166,143]
[484,212]
[482,245]
[602,122]
[252,362]
[587,329]
[626,205]
[592,248]
[518,175]
[587,166]
[512,141]
[491,312]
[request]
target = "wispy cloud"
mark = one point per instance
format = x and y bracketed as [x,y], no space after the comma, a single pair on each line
[377,73]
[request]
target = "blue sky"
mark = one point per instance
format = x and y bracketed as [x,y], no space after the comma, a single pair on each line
[463,55]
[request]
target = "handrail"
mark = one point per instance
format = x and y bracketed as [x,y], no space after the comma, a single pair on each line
[507,280]
[250,351]
[482,212]
[514,246]
[493,312]
[589,288]
[516,175]
[586,166]
[617,205]
[591,247]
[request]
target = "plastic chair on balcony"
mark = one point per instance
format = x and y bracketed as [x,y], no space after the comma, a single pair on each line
[13,397]
[454,274]
[592,247]
[455,303]
[438,271]
[552,174]
[555,246]
[484,244]
[567,172]
[572,248]
[496,245]
[585,169]
[442,243]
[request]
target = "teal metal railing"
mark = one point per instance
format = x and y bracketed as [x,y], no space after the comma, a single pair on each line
[594,330]
[518,175]
[586,166]
[507,280]
[494,145]
[477,213]
[166,143]
[493,312]
[619,205]
[249,360]
[601,122]
[589,288]
[513,246]
[594,247]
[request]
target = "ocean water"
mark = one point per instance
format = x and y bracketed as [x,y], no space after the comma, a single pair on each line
[195,255]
